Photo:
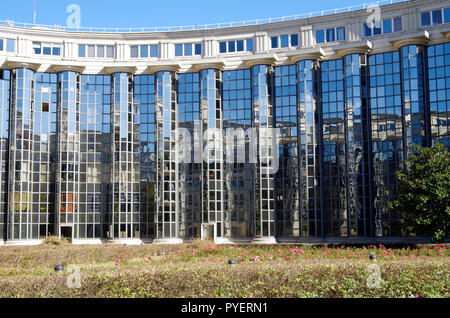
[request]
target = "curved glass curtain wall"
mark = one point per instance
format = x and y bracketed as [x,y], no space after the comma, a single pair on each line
[21,157]
[213,145]
[239,179]
[69,152]
[287,202]
[166,110]
[439,89]
[190,185]
[264,222]
[5,83]
[309,150]
[125,159]
[144,96]
[386,134]
[97,153]
[95,162]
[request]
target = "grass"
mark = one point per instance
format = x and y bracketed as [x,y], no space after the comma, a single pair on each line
[201,269]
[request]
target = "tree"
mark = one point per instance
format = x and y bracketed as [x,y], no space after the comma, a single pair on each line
[424,192]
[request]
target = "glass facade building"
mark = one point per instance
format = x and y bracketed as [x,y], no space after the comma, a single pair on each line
[271,143]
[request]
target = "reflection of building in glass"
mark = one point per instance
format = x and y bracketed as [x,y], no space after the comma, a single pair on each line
[89,131]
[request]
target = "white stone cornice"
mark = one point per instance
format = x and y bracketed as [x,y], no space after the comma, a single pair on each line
[305,54]
[12,63]
[446,33]
[421,37]
[170,66]
[58,68]
[361,47]
[261,59]
[204,64]
[120,69]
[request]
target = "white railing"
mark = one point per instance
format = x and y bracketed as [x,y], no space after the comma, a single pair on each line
[199,26]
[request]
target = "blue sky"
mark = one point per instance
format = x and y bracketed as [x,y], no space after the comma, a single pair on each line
[150,13]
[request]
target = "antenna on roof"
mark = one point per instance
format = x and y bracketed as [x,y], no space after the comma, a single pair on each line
[34,16]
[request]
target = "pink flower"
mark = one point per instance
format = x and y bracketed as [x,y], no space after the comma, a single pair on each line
[256,258]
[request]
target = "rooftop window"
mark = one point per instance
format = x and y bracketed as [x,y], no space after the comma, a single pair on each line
[383,27]
[435,17]
[144,51]
[40,48]
[284,40]
[8,45]
[330,35]
[188,49]
[96,51]
[236,46]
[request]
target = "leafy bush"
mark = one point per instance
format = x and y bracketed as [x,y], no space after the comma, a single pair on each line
[424,193]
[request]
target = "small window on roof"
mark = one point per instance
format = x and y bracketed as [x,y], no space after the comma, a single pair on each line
[134,51]
[81,50]
[437,16]
[398,24]
[320,36]
[294,40]
[250,45]
[387,26]
[110,52]
[425,18]
[274,41]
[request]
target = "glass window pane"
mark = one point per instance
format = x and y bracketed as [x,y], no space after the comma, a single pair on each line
[320,36]
[110,52]
[240,45]
[284,40]
[101,51]
[223,47]
[36,47]
[134,51]
[81,50]
[425,16]
[387,26]
[294,40]
[47,50]
[398,24]
[154,50]
[56,51]
[437,17]
[198,49]
[178,49]
[188,49]
[274,41]
[10,45]
[91,50]
[1,44]
[377,28]
[340,34]
[250,45]
[144,51]
[367,30]
[330,35]
[231,46]
[447,15]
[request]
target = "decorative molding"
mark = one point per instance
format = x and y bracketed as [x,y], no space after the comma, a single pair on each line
[446,33]
[261,59]
[218,64]
[306,54]
[421,37]
[58,68]
[11,64]
[164,66]
[361,47]
[120,69]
